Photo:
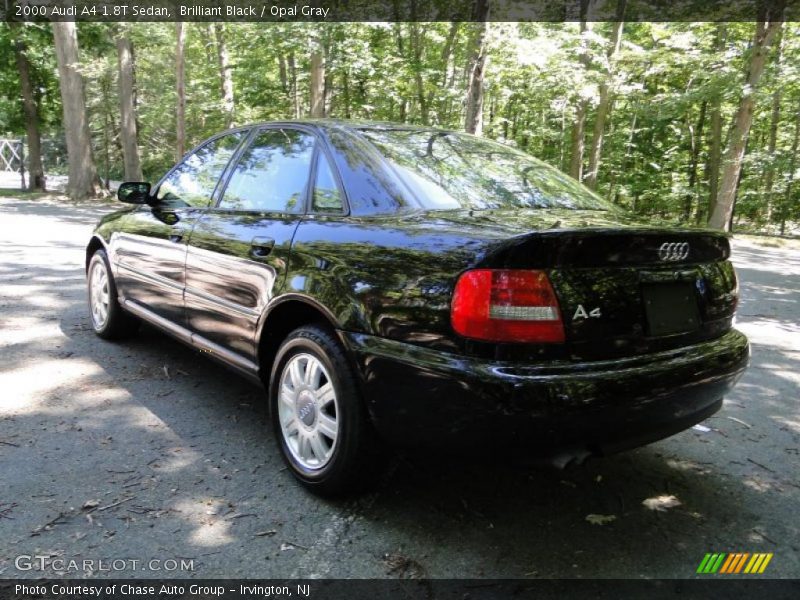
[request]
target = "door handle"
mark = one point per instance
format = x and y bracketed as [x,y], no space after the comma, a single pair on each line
[261,246]
[175,237]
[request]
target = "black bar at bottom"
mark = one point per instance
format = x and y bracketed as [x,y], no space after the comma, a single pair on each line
[708,588]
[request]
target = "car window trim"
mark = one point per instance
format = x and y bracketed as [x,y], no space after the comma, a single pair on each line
[412,203]
[322,150]
[258,129]
[245,128]
[222,184]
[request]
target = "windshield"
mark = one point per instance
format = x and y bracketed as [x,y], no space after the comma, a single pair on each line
[448,170]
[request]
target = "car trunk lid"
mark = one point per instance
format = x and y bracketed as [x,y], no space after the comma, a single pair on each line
[626,289]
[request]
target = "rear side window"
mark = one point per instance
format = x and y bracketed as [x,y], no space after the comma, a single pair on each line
[272,174]
[446,170]
[327,196]
[192,183]
[371,187]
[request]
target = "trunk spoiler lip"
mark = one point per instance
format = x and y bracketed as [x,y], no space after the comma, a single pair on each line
[647,230]
[497,253]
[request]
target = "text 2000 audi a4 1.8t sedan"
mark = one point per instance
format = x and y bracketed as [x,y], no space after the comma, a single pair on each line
[421,288]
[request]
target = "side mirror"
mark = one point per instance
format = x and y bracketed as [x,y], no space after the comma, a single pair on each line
[134,192]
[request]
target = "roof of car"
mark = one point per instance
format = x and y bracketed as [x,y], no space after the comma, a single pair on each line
[351,124]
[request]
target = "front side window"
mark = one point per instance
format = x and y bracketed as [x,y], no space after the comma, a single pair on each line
[192,183]
[272,174]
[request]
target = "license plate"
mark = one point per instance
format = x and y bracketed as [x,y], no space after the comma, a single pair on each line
[670,308]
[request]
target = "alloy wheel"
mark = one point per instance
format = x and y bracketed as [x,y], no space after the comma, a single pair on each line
[99,294]
[308,411]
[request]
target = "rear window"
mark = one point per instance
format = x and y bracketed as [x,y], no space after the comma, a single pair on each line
[446,170]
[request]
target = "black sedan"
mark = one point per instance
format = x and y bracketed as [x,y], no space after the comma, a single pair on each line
[405,286]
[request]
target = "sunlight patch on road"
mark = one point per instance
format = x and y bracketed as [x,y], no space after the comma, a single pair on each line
[688,466]
[793,424]
[21,330]
[206,516]
[26,387]
[771,333]
[178,458]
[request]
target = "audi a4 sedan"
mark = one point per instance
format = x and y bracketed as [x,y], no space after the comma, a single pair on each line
[398,286]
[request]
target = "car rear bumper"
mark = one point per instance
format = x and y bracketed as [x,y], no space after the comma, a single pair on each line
[420,398]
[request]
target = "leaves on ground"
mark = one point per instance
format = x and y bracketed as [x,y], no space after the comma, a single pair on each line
[600,519]
[403,566]
[661,503]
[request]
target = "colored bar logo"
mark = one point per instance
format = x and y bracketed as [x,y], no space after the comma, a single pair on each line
[734,563]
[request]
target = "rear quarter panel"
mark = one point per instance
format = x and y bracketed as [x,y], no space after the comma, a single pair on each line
[385,276]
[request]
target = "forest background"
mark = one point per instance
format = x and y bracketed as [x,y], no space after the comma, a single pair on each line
[694,122]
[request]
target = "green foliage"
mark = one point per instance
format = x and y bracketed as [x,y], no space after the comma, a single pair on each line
[665,82]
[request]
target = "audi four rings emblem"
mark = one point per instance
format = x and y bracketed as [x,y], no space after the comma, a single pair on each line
[672,251]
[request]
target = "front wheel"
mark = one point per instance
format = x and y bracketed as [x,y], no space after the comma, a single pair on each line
[320,422]
[109,320]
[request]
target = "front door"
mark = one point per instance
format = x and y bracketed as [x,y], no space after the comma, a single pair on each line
[239,250]
[150,248]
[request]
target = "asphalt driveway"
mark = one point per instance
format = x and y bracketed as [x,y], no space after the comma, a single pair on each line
[145,451]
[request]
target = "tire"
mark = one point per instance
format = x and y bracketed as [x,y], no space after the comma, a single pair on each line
[109,320]
[312,386]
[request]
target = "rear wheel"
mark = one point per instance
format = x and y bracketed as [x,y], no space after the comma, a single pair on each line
[109,320]
[320,422]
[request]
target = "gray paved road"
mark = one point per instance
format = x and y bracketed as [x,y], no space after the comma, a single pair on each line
[176,455]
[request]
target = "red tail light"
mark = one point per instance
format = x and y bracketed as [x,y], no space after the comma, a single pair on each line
[506,306]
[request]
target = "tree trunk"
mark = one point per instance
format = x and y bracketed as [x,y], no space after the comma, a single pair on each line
[180,87]
[82,173]
[604,106]
[473,119]
[36,181]
[579,125]
[732,166]
[317,84]
[715,147]
[225,75]
[447,52]
[773,132]
[738,187]
[328,94]
[577,143]
[712,162]
[292,64]
[127,110]
[282,74]
[417,48]
[346,93]
[327,80]
[786,209]
[695,138]
[105,87]
[445,83]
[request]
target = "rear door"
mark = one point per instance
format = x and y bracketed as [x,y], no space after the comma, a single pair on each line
[239,250]
[151,247]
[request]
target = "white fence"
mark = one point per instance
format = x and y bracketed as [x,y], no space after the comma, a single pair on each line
[12,163]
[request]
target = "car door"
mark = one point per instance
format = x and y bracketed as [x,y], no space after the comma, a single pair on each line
[150,249]
[239,250]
